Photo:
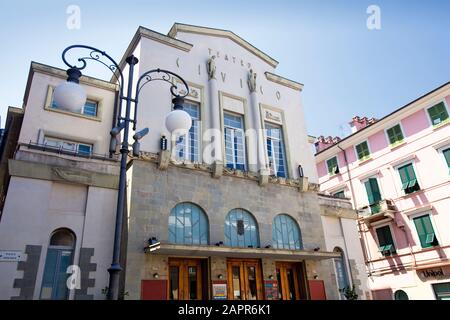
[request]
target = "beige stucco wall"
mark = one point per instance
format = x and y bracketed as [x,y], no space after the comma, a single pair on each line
[35,208]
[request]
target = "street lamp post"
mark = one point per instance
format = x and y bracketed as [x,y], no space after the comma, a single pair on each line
[72,97]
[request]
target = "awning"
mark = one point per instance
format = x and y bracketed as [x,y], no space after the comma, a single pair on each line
[177,250]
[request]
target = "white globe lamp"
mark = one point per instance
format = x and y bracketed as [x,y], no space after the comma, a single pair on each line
[178,120]
[70,95]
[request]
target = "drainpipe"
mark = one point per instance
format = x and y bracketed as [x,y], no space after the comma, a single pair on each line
[354,203]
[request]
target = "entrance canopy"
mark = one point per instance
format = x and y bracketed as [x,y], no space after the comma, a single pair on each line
[255,253]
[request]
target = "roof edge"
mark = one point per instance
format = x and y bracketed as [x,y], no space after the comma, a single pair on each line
[181,27]
[143,32]
[284,81]
[377,123]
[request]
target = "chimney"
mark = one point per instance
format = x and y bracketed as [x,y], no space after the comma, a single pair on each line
[359,123]
[323,143]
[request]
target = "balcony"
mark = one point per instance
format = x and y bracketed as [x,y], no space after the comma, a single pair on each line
[382,210]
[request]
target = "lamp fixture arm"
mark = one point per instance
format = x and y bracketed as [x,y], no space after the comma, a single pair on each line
[160,75]
[97,55]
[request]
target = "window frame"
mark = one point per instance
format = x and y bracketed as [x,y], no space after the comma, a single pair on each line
[369,156]
[77,143]
[363,183]
[202,215]
[441,150]
[187,137]
[229,227]
[339,191]
[296,224]
[338,166]
[416,234]
[430,121]
[387,224]
[399,179]
[48,106]
[398,143]
[244,138]
[283,140]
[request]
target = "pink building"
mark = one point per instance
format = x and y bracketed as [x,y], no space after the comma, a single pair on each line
[396,171]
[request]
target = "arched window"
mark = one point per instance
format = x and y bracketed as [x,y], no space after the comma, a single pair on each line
[188,224]
[401,295]
[241,229]
[286,233]
[341,271]
[59,258]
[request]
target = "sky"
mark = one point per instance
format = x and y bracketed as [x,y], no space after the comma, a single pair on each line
[347,68]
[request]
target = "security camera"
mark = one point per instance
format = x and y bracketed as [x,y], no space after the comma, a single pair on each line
[116,130]
[139,135]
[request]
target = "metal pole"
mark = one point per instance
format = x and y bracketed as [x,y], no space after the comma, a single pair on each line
[115,269]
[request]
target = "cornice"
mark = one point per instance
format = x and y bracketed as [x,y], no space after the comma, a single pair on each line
[283,81]
[179,27]
[60,73]
[390,119]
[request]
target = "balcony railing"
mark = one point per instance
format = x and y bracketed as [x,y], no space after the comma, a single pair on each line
[384,209]
[62,151]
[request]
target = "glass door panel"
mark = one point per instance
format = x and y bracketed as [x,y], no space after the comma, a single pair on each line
[174,283]
[244,280]
[288,280]
[251,283]
[185,279]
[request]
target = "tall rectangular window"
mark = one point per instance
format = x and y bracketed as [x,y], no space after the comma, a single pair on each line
[395,135]
[373,194]
[408,179]
[275,150]
[332,166]
[425,231]
[446,154]
[362,151]
[234,141]
[385,242]
[438,113]
[68,146]
[188,146]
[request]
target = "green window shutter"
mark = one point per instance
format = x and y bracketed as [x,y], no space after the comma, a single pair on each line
[438,113]
[369,192]
[404,177]
[340,194]
[385,241]
[362,150]
[375,189]
[391,135]
[425,231]
[395,134]
[447,156]
[408,178]
[332,165]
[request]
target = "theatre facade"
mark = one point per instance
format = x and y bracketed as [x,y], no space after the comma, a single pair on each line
[229,210]
[242,222]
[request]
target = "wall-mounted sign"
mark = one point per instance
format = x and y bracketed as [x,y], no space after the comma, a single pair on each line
[219,290]
[272,116]
[10,256]
[434,273]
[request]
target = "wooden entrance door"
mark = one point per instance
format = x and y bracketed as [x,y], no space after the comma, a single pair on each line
[185,279]
[244,280]
[289,276]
